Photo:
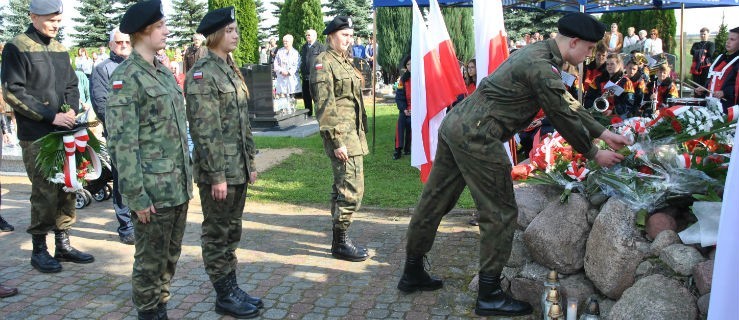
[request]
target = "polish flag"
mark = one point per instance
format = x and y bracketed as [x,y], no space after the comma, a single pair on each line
[435,72]
[725,284]
[491,46]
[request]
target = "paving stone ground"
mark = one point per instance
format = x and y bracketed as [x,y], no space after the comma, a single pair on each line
[283,257]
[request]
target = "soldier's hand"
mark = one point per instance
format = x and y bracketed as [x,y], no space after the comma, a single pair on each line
[65,120]
[718,94]
[341,154]
[252,177]
[219,191]
[607,158]
[145,215]
[615,141]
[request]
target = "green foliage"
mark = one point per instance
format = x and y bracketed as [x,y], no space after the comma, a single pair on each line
[721,37]
[185,20]
[264,30]
[246,16]
[461,28]
[662,20]
[298,16]
[359,10]
[306,178]
[93,25]
[394,26]
[520,22]
[17,19]
[119,8]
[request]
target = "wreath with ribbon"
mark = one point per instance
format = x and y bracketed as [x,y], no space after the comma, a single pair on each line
[70,157]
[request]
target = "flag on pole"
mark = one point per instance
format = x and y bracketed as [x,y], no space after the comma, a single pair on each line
[436,82]
[491,46]
[725,284]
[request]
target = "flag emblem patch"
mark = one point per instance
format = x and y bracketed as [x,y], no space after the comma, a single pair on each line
[319,66]
[117,84]
[197,75]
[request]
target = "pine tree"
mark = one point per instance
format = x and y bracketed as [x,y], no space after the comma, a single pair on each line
[264,30]
[359,10]
[301,16]
[461,30]
[94,25]
[520,22]
[721,37]
[285,20]
[185,20]
[17,19]
[119,8]
[394,26]
[246,16]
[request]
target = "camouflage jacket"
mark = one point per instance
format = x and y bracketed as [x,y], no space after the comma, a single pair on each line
[337,92]
[219,122]
[506,101]
[147,135]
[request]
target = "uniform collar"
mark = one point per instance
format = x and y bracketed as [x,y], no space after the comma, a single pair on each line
[556,55]
[138,59]
[36,36]
[222,64]
[337,55]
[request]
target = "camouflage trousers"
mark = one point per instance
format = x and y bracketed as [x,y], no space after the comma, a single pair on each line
[221,229]
[492,190]
[348,188]
[51,207]
[158,247]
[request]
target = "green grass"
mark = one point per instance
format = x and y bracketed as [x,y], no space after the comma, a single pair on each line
[306,178]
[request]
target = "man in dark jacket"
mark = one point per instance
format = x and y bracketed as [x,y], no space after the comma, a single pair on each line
[120,49]
[308,54]
[37,80]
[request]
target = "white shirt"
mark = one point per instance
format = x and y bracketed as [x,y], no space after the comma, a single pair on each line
[653,46]
[630,40]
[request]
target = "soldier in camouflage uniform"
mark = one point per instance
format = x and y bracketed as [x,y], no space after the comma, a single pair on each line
[342,120]
[147,140]
[470,153]
[223,157]
[37,80]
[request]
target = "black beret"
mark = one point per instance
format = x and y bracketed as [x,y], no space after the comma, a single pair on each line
[581,25]
[339,23]
[140,15]
[735,30]
[216,19]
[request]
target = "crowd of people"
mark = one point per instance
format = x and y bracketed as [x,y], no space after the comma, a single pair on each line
[149,105]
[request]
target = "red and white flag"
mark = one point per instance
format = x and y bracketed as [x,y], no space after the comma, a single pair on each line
[436,82]
[491,46]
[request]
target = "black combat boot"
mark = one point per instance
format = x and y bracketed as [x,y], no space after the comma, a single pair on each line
[243,295]
[148,315]
[41,260]
[397,154]
[343,248]
[5,226]
[229,301]
[162,311]
[65,252]
[416,278]
[493,301]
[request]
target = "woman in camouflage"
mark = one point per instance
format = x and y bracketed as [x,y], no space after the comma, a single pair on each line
[342,122]
[223,157]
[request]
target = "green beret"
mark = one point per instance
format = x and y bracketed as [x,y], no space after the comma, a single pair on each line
[216,19]
[140,15]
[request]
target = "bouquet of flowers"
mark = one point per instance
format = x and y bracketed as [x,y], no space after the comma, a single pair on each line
[70,157]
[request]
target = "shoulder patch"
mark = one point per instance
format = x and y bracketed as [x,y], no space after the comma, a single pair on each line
[197,75]
[319,66]
[118,84]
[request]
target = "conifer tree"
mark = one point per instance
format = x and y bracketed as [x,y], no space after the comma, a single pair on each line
[721,37]
[461,30]
[185,20]
[394,26]
[359,10]
[246,17]
[94,23]
[17,19]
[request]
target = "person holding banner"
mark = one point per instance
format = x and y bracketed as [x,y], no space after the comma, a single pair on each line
[342,121]
[36,92]
[470,152]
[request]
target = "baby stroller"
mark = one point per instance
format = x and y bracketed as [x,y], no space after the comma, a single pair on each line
[99,189]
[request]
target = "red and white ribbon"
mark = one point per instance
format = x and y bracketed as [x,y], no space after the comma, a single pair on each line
[74,143]
[732,113]
[683,161]
[577,172]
